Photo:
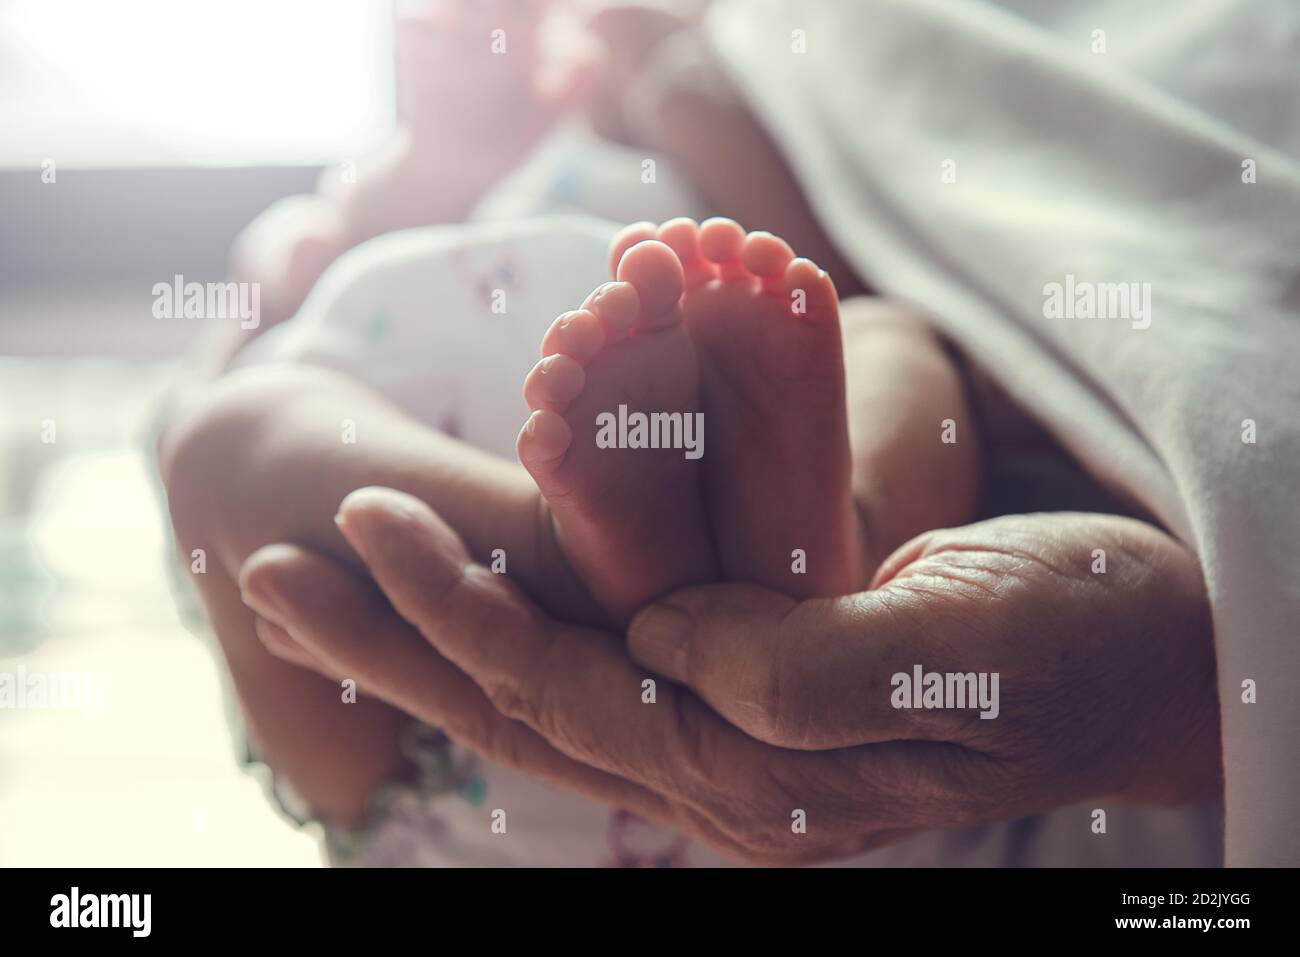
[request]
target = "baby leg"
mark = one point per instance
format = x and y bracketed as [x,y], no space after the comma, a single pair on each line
[915,442]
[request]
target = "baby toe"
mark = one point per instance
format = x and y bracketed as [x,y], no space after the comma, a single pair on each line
[810,291]
[767,256]
[577,334]
[617,306]
[721,240]
[656,273]
[682,236]
[553,383]
[625,239]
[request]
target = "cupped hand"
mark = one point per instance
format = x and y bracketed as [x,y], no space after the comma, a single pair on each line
[778,711]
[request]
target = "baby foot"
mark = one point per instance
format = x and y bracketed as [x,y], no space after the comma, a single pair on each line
[777,476]
[629,518]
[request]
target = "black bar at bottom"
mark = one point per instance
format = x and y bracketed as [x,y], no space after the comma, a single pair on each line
[925,906]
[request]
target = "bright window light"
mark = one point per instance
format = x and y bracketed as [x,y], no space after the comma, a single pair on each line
[92,83]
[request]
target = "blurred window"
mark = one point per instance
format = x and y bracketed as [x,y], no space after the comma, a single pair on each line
[137,137]
[113,83]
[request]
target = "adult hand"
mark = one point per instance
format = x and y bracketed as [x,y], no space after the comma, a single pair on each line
[1106,680]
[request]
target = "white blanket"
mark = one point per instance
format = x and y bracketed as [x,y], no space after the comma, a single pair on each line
[966,154]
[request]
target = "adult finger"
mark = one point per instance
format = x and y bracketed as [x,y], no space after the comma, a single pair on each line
[813,675]
[575,686]
[346,626]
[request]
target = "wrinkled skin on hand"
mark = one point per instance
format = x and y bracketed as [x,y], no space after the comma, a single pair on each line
[776,706]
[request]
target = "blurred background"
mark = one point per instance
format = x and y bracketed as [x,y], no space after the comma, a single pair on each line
[139,137]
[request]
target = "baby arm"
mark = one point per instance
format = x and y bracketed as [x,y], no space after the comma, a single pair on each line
[467,117]
[255,458]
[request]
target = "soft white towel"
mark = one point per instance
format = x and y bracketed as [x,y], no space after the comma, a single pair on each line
[1127,165]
